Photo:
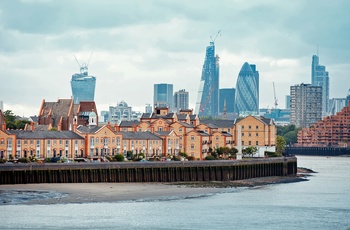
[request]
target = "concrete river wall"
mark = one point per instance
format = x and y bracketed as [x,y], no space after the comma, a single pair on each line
[173,171]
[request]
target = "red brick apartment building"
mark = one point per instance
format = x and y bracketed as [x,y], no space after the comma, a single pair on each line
[332,131]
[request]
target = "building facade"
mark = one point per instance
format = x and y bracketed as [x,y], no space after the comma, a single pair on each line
[208,94]
[247,91]
[227,96]
[163,96]
[331,131]
[320,77]
[83,86]
[181,99]
[305,104]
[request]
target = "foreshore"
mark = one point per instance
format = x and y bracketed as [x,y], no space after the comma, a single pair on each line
[119,192]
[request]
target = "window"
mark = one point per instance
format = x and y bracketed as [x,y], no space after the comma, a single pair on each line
[38,143]
[160,128]
[242,126]
[257,134]
[257,127]
[25,142]
[249,143]
[54,142]
[249,127]
[48,143]
[257,143]
[217,138]
[228,130]
[2,141]
[249,134]
[96,151]
[66,143]
[60,142]
[180,129]
[192,146]
[242,134]
[242,142]
[192,138]
[96,140]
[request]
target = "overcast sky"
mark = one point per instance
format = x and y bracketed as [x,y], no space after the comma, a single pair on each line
[137,44]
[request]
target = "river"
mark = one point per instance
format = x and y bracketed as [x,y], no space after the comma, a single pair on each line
[322,202]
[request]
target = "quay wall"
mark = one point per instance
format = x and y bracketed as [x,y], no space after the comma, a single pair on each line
[173,171]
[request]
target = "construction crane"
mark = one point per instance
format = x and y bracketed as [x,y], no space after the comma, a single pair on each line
[211,37]
[274,94]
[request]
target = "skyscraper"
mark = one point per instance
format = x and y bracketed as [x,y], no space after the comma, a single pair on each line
[319,77]
[163,96]
[83,85]
[227,95]
[305,104]
[247,91]
[287,101]
[208,94]
[181,99]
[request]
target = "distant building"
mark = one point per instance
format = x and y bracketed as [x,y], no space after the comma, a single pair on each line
[336,105]
[331,131]
[83,85]
[247,91]
[319,77]
[227,95]
[305,104]
[163,96]
[122,112]
[1,106]
[208,93]
[281,117]
[104,116]
[287,101]
[181,99]
[148,108]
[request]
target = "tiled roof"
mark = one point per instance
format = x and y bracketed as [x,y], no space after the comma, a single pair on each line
[128,123]
[146,115]
[88,129]
[140,136]
[182,116]
[202,133]
[25,134]
[186,124]
[58,109]
[163,133]
[193,117]
[219,123]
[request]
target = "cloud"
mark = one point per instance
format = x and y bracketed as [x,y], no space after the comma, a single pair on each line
[137,44]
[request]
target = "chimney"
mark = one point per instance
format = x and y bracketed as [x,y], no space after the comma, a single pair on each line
[32,126]
[59,126]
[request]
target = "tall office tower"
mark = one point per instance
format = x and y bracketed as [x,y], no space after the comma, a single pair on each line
[208,94]
[319,77]
[287,101]
[181,99]
[148,108]
[336,105]
[83,85]
[247,91]
[227,95]
[305,104]
[163,96]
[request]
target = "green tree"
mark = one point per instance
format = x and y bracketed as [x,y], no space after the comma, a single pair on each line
[280,145]
[250,150]
[13,121]
[119,157]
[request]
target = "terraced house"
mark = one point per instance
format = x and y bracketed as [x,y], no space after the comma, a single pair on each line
[156,134]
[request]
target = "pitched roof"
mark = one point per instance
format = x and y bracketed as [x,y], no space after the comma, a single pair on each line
[182,116]
[56,109]
[89,129]
[128,123]
[140,136]
[146,115]
[219,123]
[202,133]
[186,124]
[193,117]
[25,134]
[163,133]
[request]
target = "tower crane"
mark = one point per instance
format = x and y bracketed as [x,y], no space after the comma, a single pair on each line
[213,40]
[274,94]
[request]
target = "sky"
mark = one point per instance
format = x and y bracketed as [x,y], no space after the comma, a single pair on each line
[136,44]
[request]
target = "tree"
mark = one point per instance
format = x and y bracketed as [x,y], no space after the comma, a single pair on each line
[119,157]
[250,150]
[13,121]
[280,145]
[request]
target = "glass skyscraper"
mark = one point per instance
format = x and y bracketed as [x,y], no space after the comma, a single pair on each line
[83,86]
[228,96]
[247,91]
[319,77]
[208,94]
[163,96]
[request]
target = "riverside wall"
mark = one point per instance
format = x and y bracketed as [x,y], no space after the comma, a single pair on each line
[174,171]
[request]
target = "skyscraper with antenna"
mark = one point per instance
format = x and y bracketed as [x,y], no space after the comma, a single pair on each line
[83,85]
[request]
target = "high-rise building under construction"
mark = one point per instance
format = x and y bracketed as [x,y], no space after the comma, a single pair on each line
[208,94]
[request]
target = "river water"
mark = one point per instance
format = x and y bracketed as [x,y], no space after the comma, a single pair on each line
[323,202]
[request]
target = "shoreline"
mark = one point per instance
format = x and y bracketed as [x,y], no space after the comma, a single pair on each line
[68,193]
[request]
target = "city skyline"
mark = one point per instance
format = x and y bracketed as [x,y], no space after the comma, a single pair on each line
[136,46]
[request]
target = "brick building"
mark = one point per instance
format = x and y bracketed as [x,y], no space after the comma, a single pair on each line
[331,131]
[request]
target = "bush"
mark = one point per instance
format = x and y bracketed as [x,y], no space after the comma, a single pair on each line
[270,154]
[119,157]
[110,158]
[48,160]
[209,158]
[3,160]
[191,158]
[183,154]
[24,160]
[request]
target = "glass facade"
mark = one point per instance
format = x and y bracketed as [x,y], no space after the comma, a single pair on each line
[83,86]
[247,91]
[163,96]
[227,95]
[181,99]
[319,77]
[208,94]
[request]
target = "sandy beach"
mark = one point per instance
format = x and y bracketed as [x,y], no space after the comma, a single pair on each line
[119,192]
